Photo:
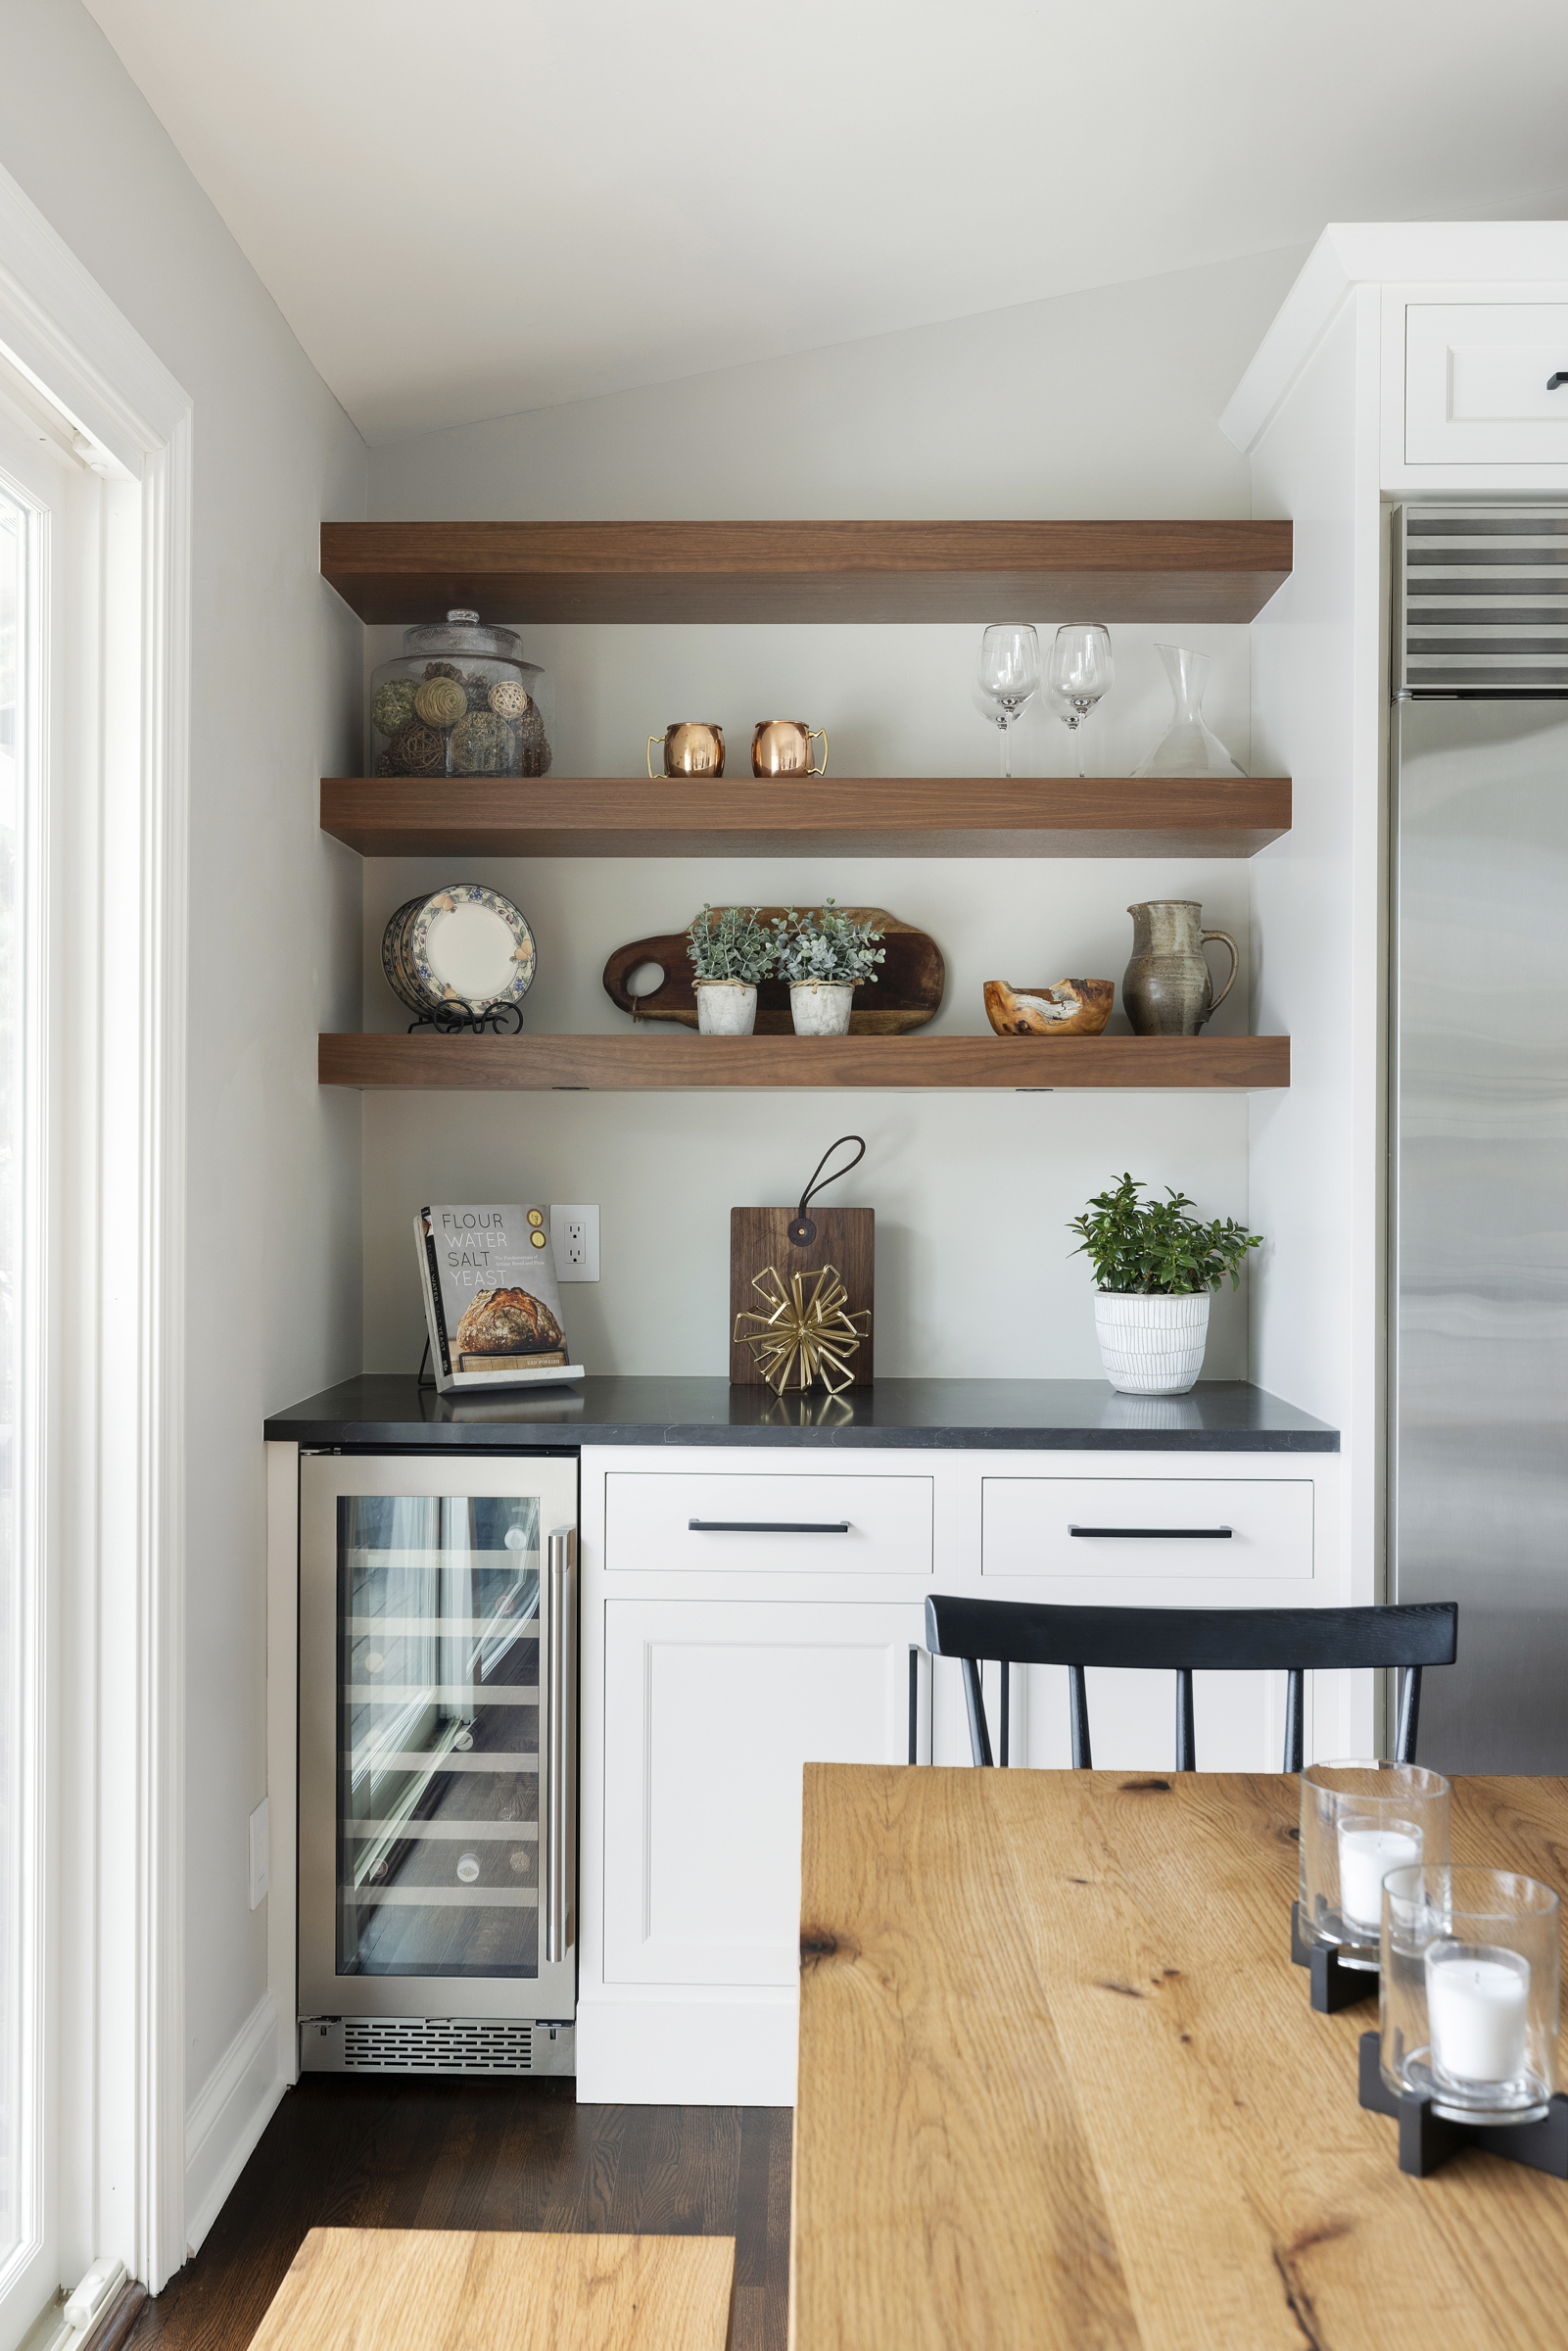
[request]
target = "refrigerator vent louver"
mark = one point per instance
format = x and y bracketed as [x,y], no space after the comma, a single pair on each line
[379,2043]
[1483,599]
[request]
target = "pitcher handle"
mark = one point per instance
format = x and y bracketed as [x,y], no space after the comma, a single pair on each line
[652,739]
[1215,1002]
[810,732]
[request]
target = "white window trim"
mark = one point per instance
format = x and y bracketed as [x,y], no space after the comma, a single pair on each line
[125,1469]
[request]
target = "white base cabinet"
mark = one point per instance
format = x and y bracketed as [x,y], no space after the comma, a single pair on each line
[720,1657]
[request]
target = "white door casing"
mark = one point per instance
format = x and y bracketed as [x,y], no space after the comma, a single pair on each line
[121,1143]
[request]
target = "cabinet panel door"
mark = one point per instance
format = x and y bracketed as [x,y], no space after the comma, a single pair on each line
[1476,383]
[711,1710]
[861,1523]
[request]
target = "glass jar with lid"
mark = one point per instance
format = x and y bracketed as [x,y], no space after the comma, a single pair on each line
[460,700]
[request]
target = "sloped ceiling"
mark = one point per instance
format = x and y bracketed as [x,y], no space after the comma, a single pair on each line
[465,211]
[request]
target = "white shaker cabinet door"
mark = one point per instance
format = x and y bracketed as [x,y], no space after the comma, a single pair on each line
[711,1710]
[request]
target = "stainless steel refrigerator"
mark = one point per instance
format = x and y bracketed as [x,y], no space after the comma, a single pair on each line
[1478,1127]
[438,1762]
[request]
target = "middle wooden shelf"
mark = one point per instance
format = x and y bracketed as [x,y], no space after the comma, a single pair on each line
[850,816]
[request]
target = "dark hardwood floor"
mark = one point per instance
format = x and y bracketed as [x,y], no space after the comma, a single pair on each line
[400,2152]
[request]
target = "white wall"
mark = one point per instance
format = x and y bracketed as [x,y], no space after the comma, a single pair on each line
[1100,404]
[273,1277]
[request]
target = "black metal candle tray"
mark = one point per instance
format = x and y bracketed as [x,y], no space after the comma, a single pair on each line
[1428,2138]
[1334,1985]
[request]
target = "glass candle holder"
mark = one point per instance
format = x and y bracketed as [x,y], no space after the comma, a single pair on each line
[1360,1821]
[1471,1993]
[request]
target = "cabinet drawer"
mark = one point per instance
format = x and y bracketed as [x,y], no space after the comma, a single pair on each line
[1476,378]
[851,1525]
[1147,1528]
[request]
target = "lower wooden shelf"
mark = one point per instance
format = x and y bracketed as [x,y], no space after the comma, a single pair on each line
[651,1060]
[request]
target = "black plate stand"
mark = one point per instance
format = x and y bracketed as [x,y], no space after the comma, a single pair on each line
[1428,2138]
[1334,1985]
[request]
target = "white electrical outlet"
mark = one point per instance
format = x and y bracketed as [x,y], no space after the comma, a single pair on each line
[260,1842]
[573,1237]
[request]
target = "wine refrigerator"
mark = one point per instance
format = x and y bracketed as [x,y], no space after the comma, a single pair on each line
[438,1762]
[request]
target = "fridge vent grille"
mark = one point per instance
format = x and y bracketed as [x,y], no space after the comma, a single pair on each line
[1483,599]
[437,2046]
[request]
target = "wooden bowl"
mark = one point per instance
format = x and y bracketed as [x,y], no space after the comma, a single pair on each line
[1067,1008]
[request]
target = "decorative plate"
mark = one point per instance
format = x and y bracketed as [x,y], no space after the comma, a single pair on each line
[395,970]
[468,945]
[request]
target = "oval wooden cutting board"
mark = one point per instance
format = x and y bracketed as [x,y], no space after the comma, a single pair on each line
[907,993]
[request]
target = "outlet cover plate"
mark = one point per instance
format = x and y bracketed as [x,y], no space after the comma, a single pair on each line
[574,1239]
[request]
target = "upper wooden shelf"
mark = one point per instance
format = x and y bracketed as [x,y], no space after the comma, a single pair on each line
[908,816]
[807,571]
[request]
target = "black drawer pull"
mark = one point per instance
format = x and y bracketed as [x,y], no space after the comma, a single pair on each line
[768,1526]
[1561,378]
[1154,1534]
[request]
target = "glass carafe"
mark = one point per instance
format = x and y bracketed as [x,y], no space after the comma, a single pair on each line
[1188,747]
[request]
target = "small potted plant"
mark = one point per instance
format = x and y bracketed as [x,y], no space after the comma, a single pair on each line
[730,950]
[1154,1267]
[825,955]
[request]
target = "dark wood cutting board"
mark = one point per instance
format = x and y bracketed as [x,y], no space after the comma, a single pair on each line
[907,993]
[847,1240]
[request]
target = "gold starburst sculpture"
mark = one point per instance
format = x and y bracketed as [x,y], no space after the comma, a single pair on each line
[807,1333]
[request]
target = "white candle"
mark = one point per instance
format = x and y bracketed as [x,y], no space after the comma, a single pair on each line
[1367,1852]
[1478,2001]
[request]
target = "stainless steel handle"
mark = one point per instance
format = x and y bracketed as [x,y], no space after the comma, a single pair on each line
[768,1526]
[560,1795]
[1154,1534]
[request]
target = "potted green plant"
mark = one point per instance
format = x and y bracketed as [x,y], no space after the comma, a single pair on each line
[1155,1268]
[825,955]
[731,949]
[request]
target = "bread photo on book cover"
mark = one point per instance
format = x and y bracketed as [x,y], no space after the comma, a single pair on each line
[507,1322]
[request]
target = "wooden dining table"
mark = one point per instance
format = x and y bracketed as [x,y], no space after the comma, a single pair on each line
[1061,2084]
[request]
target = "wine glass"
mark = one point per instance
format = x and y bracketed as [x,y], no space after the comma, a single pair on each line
[1010,675]
[1081,671]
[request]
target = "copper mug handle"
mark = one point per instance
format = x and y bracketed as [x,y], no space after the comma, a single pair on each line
[812,732]
[1215,1002]
[652,739]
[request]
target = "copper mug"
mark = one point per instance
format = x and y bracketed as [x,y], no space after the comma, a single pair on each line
[782,747]
[691,748]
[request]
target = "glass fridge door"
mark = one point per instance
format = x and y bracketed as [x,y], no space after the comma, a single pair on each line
[426,1870]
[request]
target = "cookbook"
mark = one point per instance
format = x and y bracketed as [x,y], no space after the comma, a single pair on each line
[491,1306]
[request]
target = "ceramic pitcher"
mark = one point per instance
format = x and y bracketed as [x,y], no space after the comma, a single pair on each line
[1168,989]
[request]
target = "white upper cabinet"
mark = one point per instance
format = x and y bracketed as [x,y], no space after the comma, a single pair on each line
[1485,383]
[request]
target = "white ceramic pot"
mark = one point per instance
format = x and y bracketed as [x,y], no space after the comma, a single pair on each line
[1151,1345]
[821,1008]
[726,1007]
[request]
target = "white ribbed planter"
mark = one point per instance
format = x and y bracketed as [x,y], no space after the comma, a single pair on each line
[821,1008]
[726,1008]
[1150,1345]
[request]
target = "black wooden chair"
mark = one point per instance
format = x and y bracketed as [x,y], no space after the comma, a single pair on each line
[1184,1641]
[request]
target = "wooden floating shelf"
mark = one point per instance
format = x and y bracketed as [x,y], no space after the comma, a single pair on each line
[643,1061]
[852,816]
[807,571]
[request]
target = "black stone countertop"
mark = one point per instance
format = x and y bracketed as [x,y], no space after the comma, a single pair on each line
[999,1416]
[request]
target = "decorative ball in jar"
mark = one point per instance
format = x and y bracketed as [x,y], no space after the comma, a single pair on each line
[460,700]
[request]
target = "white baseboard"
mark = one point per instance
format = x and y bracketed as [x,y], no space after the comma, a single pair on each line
[696,2049]
[228,2118]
